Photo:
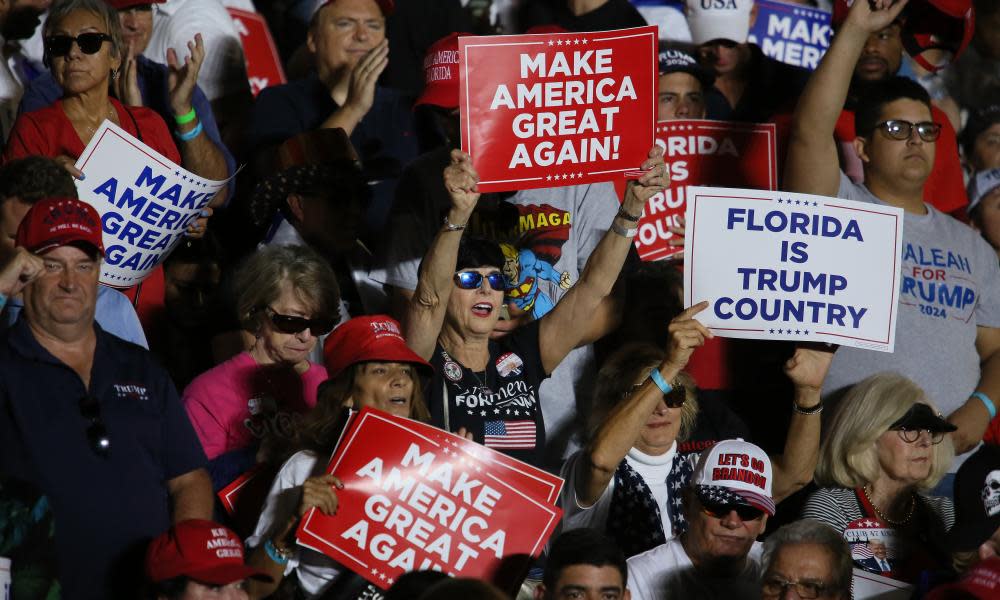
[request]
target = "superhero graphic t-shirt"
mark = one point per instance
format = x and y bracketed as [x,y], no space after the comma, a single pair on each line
[499,406]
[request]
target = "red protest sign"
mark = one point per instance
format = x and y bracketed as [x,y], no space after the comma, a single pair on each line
[262,58]
[416,497]
[555,109]
[700,152]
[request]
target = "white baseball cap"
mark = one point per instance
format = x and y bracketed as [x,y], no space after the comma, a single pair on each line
[719,19]
[982,185]
[735,472]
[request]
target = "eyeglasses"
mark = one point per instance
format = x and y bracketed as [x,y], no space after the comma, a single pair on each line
[776,586]
[291,324]
[901,130]
[89,43]
[473,280]
[97,433]
[719,511]
[910,436]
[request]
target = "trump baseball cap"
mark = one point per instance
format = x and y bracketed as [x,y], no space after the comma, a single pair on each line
[719,20]
[734,472]
[386,6]
[201,550]
[441,73]
[123,4]
[54,222]
[678,61]
[364,339]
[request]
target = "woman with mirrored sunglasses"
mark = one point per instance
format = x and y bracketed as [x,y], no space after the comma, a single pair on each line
[490,387]
[885,448]
[83,49]
[628,479]
[287,299]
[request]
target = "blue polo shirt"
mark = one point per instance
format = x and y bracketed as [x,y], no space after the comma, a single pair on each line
[152,79]
[105,509]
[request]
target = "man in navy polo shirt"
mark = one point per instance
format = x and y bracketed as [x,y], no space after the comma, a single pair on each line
[88,418]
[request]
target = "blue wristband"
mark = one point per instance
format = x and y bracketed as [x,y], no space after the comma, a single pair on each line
[187,137]
[990,407]
[3,300]
[273,554]
[660,382]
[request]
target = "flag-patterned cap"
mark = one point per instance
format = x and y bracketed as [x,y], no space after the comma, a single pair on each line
[735,472]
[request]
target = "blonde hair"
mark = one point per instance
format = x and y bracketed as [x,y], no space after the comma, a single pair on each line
[848,456]
[629,364]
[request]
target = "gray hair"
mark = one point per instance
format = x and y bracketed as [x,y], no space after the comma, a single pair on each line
[61,9]
[809,531]
[267,272]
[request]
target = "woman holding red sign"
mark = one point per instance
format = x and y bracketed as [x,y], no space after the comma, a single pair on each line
[370,365]
[490,387]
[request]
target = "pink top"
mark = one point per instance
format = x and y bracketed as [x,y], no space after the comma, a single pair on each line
[238,401]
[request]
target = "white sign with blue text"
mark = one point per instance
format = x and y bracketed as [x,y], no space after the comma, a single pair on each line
[781,266]
[145,201]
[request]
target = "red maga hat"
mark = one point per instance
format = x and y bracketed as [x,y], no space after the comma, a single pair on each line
[387,6]
[441,73]
[123,4]
[54,222]
[363,339]
[201,550]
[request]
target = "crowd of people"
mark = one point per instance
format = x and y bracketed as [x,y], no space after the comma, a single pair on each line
[353,263]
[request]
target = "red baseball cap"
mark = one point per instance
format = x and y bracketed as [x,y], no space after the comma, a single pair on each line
[363,339]
[123,4]
[982,581]
[54,222]
[201,550]
[441,73]
[387,6]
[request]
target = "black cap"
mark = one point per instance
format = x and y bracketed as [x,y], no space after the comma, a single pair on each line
[922,416]
[977,500]
[678,61]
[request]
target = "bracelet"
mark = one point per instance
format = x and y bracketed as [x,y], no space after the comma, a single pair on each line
[622,231]
[186,117]
[627,216]
[449,226]
[812,410]
[187,137]
[278,555]
[660,382]
[990,407]
[3,300]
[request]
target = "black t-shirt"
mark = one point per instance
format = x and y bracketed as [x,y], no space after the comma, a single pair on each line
[500,405]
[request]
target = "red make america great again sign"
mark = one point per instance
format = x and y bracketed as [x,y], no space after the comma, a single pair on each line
[416,497]
[546,110]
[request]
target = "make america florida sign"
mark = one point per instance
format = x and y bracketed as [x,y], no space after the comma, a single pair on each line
[776,265]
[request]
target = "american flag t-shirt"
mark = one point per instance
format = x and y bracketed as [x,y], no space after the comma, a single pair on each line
[510,434]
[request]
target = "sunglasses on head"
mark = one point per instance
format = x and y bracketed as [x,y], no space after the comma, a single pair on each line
[97,433]
[719,511]
[291,324]
[89,43]
[900,130]
[473,280]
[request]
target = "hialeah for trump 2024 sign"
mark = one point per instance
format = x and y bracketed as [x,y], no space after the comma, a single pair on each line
[145,201]
[546,110]
[416,497]
[776,265]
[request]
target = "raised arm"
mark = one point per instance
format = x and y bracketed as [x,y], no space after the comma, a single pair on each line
[794,468]
[426,310]
[560,329]
[617,434]
[812,165]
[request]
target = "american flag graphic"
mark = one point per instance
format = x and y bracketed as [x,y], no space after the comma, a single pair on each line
[510,434]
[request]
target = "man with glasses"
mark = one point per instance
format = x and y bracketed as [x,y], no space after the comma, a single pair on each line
[947,337]
[726,508]
[809,558]
[90,419]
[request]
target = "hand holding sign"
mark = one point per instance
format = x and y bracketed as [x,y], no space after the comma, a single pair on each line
[807,368]
[653,181]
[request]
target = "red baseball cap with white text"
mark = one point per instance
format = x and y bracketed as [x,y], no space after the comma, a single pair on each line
[201,550]
[54,222]
[363,339]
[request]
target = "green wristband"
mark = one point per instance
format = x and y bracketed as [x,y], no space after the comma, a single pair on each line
[186,118]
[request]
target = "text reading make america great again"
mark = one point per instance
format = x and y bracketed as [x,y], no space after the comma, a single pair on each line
[557,109]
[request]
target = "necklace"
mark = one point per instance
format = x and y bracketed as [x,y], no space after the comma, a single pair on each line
[881,515]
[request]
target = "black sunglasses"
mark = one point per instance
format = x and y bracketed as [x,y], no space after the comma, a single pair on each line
[718,511]
[290,324]
[89,43]
[97,433]
[900,130]
[473,280]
